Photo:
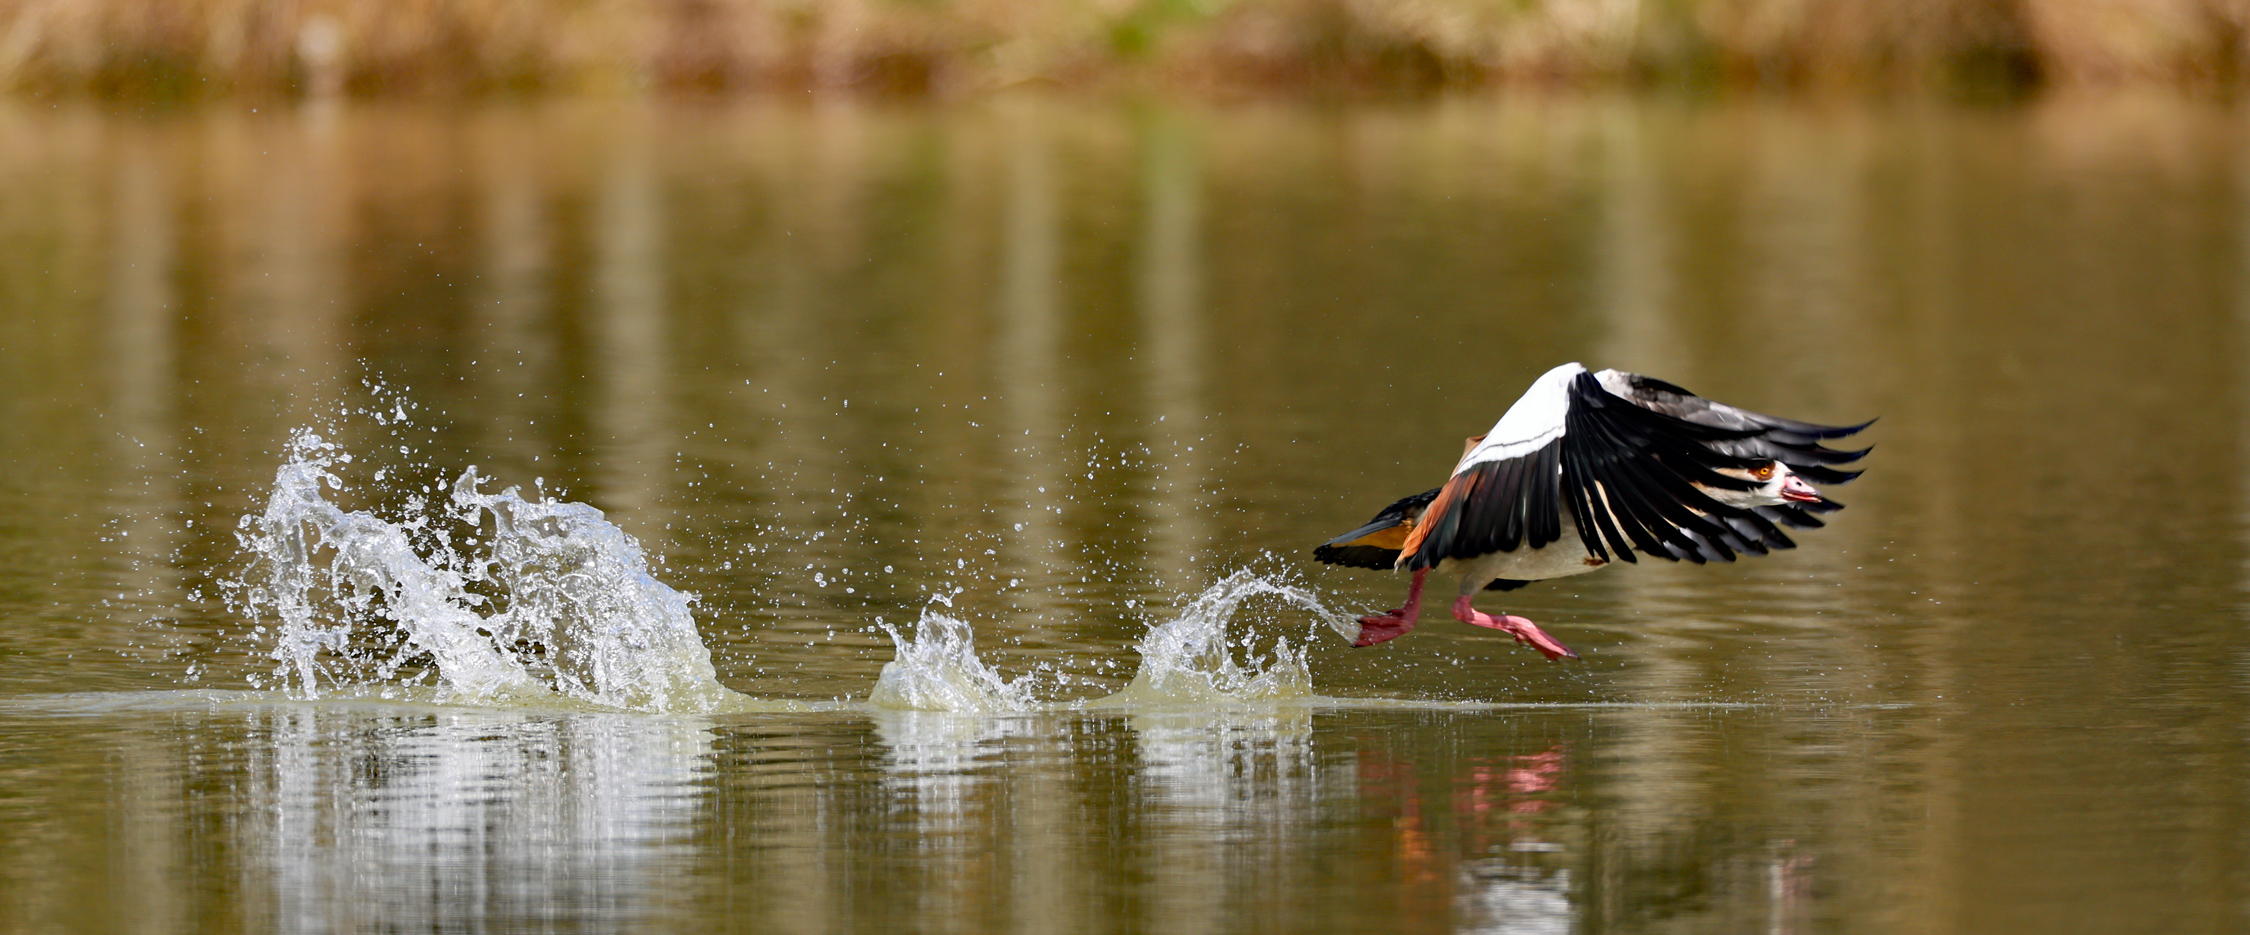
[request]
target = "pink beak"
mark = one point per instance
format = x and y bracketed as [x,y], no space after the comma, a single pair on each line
[1794,488]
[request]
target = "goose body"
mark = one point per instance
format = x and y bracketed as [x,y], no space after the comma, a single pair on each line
[1589,469]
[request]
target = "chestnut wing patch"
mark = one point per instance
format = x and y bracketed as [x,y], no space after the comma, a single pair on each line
[1494,506]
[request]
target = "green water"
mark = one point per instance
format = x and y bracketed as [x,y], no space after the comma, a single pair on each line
[1064,365]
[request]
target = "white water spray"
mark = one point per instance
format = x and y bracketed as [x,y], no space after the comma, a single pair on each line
[1206,657]
[1192,660]
[937,669]
[492,598]
[557,601]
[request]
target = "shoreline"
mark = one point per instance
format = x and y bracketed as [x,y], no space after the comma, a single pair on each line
[163,49]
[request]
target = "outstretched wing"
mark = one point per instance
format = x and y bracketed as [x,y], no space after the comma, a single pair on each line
[1635,447]
[1503,494]
[1625,456]
[1773,438]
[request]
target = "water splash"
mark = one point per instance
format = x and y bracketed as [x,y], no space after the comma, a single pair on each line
[498,597]
[937,669]
[1204,658]
[1192,660]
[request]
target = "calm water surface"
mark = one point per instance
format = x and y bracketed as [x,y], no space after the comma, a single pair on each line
[1051,375]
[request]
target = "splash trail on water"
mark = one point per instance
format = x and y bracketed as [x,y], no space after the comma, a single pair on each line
[495,598]
[1204,658]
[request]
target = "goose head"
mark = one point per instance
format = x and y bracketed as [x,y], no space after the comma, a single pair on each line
[1777,484]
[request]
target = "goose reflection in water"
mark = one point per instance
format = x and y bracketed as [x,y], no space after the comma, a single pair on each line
[1491,804]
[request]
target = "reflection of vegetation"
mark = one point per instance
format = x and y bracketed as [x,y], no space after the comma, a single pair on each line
[168,49]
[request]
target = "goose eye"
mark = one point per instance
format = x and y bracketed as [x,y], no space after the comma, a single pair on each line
[1762,472]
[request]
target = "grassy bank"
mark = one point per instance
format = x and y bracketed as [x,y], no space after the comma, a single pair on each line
[190,48]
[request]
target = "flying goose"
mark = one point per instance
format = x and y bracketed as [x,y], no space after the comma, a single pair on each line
[1591,467]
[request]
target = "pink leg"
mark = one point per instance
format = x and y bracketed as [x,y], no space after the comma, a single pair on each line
[1378,628]
[1523,630]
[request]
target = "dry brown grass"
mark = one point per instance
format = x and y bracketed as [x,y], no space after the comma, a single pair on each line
[197,47]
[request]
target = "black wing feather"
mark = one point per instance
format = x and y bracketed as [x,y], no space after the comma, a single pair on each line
[1634,468]
[1505,505]
[1545,502]
[1357,556]
[1788,441]
[1627,468]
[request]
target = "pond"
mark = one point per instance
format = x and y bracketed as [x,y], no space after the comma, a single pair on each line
[958,468]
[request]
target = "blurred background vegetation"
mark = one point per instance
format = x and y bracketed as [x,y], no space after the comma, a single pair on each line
[194,48]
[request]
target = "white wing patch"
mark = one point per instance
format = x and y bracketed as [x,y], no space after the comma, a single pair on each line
[1617,382]
[1530,424]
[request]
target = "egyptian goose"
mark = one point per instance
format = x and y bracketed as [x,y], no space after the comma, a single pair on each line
[1590,467]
